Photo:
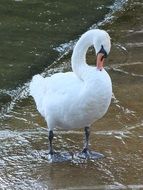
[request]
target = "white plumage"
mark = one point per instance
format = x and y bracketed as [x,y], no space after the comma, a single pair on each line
[75,99]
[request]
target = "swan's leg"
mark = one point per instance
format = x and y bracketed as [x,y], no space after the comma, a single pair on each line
[56,156]
[86,146]
[86,153]
[51,135]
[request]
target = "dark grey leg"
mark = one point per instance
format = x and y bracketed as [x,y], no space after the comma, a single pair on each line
[51,135]
[86,153]
[86,145]
[56,156]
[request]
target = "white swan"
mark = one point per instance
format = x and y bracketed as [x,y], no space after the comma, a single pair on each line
[79,98]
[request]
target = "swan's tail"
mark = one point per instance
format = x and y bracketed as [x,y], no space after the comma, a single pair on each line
[37,88]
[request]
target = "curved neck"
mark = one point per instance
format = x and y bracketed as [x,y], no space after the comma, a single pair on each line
[78,60]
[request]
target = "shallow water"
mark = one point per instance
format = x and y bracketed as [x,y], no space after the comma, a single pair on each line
[119,135]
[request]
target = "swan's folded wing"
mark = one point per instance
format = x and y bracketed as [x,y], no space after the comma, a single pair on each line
[55,93]
[62,83]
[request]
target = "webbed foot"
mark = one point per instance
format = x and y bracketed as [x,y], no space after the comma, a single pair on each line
[87,154]
[56,157]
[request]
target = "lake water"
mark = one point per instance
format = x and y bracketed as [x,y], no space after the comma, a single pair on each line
[37,36]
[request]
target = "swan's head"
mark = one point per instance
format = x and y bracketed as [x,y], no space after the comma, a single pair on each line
[102,45]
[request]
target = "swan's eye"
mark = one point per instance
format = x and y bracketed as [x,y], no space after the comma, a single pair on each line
[102,50]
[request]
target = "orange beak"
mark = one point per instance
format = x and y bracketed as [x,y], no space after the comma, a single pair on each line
[100,61]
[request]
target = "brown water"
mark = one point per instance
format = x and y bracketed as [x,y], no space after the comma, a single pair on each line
[119,135]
